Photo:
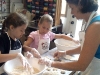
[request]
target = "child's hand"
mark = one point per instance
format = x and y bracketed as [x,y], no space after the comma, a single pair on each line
[24,61]
[28,54]
[76,41]
[45,61]
[35,53]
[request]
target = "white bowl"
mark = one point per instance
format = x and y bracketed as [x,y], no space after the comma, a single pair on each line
[11,64]
[63,44]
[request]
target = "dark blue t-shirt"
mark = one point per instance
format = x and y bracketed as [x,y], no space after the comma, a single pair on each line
[5,44]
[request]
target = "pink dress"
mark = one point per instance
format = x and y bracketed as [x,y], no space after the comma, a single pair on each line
[35,35]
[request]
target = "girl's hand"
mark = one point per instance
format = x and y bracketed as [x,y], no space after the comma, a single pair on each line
[24,62]
[45,61]
[28,54]
[76,41]
[35,53]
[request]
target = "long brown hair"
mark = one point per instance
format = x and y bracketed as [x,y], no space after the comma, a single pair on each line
[15,19]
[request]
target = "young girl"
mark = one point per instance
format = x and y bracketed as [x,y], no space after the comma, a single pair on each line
[10,47]
[40,40]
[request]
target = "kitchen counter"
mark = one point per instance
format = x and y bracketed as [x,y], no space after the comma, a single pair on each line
[50,54]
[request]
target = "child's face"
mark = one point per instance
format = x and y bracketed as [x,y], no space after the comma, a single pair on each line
[44,27]
[19,31]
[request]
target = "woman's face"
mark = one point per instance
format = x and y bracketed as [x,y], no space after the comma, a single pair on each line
[44,27]
[75,11]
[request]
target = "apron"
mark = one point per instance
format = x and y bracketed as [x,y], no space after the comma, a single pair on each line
[10,52]
[94,66]
[43,45]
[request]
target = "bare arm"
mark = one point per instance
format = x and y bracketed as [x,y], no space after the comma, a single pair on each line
[27,43]
[91,43]
[63,36]
[74,51]
[6,57]
[70,52]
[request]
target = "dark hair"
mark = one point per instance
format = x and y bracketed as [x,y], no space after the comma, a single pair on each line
[47,18]
[85,5]
[15,19]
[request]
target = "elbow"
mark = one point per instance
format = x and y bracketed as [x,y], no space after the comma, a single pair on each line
[82,68]
[26,44]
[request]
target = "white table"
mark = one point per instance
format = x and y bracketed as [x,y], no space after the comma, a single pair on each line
[50,53]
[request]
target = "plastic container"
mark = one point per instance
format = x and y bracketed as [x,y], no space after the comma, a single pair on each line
[11,64]
[63,44]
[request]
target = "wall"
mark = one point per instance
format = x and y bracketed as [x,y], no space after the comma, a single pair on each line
[69,23]
[78,24]
[13,1]
[4,9]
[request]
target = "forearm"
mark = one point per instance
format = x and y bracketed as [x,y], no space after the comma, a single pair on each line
[74,51]
[63,36]
[67,37]
[6,57]
[71,66]
[26,48]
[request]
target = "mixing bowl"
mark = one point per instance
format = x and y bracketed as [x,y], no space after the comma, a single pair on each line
[11,64]
[63,44]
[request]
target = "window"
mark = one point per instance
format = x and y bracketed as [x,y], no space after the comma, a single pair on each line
[63,8]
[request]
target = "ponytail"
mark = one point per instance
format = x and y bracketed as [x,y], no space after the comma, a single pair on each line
[4,28]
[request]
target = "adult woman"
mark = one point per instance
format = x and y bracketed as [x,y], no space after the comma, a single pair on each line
[89,59]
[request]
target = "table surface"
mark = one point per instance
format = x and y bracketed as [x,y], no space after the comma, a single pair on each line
[49,55]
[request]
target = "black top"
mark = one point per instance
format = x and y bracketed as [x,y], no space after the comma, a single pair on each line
[5,44]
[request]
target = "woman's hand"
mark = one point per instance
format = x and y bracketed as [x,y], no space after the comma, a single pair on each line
[59,54]
[35,53]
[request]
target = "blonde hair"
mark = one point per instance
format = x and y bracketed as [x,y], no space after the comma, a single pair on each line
[47,18]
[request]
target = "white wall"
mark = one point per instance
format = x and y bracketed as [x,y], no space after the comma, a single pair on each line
[67,26]
[11,3]
[78,24]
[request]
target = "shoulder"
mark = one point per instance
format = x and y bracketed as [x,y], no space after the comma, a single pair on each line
[3,37]
[51,33]
[34,33]
[95,26]
[4,42]
[94,29]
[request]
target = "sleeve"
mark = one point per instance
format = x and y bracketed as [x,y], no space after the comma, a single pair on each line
[52,35]
[1,45]
[32,35]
